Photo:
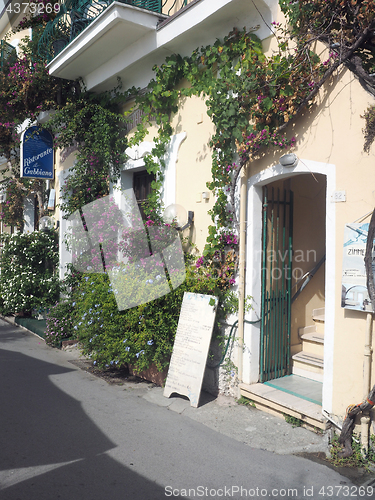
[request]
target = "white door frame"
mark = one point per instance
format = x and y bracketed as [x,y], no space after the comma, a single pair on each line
[254,265]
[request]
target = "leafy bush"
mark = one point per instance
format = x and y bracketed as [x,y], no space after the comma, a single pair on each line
[28,280]
[142,335]
[59,323]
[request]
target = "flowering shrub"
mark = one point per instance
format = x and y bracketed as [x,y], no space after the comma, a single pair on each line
[94,240]
[28,280]
[26,89]
[12,209]
[59,323]
[41,12]
[141,335]
[92,122]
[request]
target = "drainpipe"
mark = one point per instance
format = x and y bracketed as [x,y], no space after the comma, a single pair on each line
[241,271]
[365,419]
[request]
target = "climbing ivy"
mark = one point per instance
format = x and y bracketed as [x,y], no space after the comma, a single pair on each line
[248,97]
[26,89]
[251,98]
[93,123]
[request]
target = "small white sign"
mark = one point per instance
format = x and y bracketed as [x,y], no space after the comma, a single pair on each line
[51,200]
[339,196]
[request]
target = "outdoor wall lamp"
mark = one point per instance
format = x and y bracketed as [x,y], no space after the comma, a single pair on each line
[177,213]
[46,223]
[189,221]
[289,160]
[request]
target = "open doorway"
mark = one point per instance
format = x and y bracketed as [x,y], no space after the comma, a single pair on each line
[293,284]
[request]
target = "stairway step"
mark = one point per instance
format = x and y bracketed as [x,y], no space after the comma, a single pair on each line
[317,327]
[306,329]
[279,403]
[312,348]
[313,337]
[319,314]
[309,359]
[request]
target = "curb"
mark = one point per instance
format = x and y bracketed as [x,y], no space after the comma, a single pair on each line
[11,321]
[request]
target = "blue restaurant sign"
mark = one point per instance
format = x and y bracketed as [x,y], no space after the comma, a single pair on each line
[37,153]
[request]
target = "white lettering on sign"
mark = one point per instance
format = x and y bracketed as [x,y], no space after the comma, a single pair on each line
[37,171]
[33,159]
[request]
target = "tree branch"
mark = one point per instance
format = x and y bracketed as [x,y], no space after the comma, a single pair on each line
[346,56]
[348,426]
[368,260]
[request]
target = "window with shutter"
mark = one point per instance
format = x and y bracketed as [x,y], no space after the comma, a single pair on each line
[142,188]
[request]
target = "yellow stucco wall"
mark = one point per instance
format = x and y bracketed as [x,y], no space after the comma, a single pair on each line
[332,133]
[335,136]
[193,167]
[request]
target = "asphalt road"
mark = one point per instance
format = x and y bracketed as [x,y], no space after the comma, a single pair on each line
[65,434]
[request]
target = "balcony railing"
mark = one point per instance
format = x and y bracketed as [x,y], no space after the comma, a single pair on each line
[8,55]
[75,15]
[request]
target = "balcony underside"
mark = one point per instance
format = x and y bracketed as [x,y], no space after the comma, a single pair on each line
[126,41]
[120,25]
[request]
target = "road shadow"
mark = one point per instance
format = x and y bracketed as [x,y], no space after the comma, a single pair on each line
[50,449]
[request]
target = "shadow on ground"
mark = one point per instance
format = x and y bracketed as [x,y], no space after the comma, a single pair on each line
[50,449]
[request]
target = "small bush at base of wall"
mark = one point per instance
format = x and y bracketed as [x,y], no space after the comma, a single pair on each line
[141,336]
[59,323]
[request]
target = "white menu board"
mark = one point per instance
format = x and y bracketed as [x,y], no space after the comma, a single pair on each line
[190,350]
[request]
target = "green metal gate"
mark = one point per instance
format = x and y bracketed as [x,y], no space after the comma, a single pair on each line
[276,283]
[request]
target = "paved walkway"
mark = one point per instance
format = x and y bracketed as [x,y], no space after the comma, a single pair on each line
[68,435]
[245,424]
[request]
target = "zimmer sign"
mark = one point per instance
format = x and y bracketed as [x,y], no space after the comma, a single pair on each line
[354,293]
[37,153]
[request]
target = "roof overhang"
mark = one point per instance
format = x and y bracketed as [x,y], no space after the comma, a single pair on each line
[126,42]
[118,26]
[7,17]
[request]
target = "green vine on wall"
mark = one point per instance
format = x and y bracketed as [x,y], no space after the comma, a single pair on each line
[369,129]
[251,98]
[93,123]
[247,97]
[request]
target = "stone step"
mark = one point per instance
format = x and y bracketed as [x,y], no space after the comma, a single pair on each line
[279,403]
[317,327]
[313,348]
[313,343]
[306,329]
[319,314]
[309,359]
[309,365]
[313,337]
